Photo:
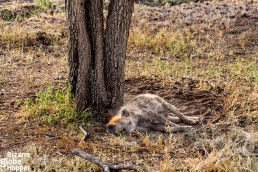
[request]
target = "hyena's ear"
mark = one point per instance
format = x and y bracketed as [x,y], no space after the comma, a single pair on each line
[125,113]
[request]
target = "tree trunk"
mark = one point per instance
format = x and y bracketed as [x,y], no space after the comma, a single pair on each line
[97,57]
[116,36]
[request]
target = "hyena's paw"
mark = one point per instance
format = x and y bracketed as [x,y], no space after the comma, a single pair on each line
[187,128]
[194,120]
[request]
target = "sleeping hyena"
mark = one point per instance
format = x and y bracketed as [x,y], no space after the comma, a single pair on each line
[148,112]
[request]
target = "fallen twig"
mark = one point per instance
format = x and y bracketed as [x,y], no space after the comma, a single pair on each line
[106,167]
[85,134]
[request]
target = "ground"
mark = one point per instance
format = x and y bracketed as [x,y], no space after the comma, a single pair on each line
[201,57]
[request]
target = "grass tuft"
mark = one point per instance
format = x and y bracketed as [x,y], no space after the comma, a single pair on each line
[161,43]
[7,15]
[44,4]
[55,107]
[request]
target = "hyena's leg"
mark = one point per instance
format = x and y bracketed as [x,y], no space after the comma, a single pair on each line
[169,128]
[173,119]
[158,127]
[165,125]
[172,127]
[177,120]
[179,129]
[174,110]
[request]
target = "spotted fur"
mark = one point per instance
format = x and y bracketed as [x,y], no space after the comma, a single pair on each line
[148,112]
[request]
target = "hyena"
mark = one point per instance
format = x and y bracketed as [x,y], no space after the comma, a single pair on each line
[148,112]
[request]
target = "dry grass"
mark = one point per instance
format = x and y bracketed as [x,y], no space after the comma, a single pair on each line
[208,48]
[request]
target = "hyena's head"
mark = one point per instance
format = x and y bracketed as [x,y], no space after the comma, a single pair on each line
[122,122]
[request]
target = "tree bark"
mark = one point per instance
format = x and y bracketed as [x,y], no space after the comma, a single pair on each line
[97,57]
[116,36]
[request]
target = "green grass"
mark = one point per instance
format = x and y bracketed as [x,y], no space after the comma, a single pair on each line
[56,107]
[20,14]
[44,4]
[11,16]
[7,15]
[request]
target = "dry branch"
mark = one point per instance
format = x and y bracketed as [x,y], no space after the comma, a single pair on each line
[85,134]
[106,167]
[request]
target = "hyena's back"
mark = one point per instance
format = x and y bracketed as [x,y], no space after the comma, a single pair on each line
[147,102]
